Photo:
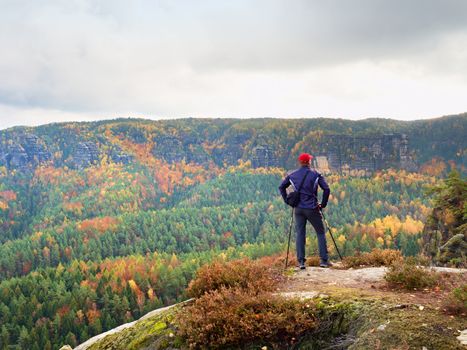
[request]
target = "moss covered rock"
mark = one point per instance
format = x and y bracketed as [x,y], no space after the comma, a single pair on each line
[347,321]
[152,333]
[454,249]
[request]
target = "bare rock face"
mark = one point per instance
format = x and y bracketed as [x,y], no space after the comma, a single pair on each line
[230,149]
[406,161]
[17,158]
[122,158]
[118,156]
[264,156]
[321,163]
[35,148]
[23,152]
[85,154]
[344,153]
[333,153]
[336,152]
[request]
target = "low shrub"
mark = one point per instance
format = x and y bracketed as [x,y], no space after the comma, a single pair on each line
[456,302]
[230,317]
[254,275]
[293,262]
[313,261]
[377,257]
[458,262]
[423,260]
[408,275]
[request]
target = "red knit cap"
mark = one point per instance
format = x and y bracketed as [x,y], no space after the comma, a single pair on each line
[305,158]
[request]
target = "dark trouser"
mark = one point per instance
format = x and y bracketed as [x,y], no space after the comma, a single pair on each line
[315,218]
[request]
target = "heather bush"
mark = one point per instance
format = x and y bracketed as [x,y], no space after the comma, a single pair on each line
[254,275]
[456,302]
[458,262]
[229,317]
[423,260]
[407,275]
[377,257]
[313,261]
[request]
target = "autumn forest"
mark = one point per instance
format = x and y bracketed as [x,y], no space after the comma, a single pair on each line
[102,222]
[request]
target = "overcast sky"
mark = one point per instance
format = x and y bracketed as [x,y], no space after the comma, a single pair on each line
[83,60]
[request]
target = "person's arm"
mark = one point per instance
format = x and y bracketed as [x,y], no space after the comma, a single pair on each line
[326,191]
[283,186]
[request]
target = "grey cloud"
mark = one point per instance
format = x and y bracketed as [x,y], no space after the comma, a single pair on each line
[168,56]
[298,34]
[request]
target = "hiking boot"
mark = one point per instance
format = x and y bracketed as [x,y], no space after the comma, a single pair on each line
[302,266]
[325,264]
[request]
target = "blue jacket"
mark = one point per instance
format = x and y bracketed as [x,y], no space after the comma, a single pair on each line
[308,192]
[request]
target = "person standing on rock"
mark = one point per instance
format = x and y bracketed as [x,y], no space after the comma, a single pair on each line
[306,181]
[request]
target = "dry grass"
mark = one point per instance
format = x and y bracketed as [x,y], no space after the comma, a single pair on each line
[255,275]
[408,275]
[234,305]
[313,261]
[456,302]
[377,257]
[229,317]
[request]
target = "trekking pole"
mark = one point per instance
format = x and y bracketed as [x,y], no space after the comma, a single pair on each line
[330,233]
[290,234]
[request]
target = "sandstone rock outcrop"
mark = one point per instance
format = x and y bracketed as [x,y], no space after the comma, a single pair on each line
[263,148]
[85,154]
[35,149]
[24,151]
[118,156]
[264,156]
[343,153]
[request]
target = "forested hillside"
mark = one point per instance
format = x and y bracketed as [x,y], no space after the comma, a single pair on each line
[101,222]
[369,144]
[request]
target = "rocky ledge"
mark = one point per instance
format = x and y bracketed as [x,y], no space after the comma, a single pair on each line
[371,316]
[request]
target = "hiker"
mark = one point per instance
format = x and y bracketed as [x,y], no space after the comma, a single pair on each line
[308,207]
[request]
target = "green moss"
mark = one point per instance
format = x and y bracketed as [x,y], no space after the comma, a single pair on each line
[158,326]
[157,332]
[408,328]
[348,319]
